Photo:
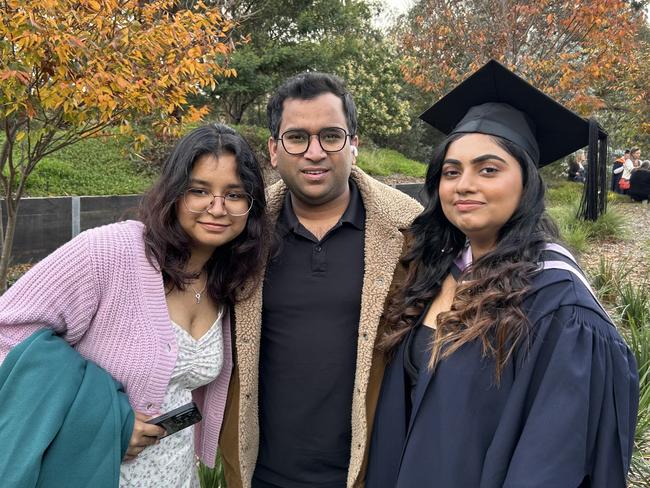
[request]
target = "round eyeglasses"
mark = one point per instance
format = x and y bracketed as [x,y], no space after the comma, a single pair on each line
[235,203]
[331,139]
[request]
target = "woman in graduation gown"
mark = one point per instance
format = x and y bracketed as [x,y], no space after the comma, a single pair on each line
[504,370]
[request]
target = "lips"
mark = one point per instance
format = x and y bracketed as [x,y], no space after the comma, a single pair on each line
[314,174]
[213,227]
[468,205]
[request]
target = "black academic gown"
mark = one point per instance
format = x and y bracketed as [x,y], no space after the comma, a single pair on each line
[563,416]
[640,185]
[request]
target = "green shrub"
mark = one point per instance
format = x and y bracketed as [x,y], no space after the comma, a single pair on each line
[634,304]
[607,279]
[609,226]
[257,137]
[637,335]
[577,232]
[212,477]
[573,231]
[159,149]
[556,173]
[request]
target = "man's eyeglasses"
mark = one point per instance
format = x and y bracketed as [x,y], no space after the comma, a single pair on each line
[236,203]
[331,139]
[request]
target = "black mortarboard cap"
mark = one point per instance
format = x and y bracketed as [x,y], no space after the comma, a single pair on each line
[496,101]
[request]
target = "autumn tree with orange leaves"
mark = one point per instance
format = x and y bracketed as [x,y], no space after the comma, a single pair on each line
[578,51]
[70,69]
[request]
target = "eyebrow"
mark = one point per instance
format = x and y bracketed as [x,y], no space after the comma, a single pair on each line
[477,160]
[196,181]
[305,130]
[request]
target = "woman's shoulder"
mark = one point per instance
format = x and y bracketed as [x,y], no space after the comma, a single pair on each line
[115,235]
[565,297]
[116,241]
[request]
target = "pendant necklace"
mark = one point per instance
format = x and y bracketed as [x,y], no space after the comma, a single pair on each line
[197,294]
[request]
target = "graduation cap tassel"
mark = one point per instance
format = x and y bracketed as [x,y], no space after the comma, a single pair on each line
[594,196]
[602,166]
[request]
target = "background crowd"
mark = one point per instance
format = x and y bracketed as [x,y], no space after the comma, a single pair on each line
[631,175]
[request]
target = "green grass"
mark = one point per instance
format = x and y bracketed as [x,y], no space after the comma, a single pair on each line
[99,166]
[386,162]
[563,193]
[563,200]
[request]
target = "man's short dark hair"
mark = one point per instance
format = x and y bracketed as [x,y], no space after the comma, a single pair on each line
[306,86]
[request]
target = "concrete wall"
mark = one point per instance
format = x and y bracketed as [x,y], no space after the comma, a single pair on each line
[415,190]
[44,224]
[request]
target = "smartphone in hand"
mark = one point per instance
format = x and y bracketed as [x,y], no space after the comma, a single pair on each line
[178,419]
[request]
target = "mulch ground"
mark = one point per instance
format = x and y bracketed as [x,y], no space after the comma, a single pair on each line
[633,250]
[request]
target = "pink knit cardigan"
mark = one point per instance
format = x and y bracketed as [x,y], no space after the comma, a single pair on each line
[101,294]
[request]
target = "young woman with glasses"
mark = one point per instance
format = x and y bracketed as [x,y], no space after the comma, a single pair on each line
[149,300]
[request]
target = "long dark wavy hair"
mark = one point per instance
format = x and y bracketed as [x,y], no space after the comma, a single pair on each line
[487,303]
[166,243]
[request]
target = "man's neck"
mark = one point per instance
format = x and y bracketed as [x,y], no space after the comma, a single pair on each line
[319,219]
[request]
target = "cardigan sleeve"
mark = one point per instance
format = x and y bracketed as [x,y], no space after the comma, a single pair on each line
[59,293]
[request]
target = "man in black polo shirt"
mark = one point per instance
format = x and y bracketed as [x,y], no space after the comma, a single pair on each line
[303,392]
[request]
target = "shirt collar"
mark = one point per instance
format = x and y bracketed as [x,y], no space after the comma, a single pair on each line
[354,214]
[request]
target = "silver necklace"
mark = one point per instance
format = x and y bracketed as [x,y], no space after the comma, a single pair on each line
[197,294]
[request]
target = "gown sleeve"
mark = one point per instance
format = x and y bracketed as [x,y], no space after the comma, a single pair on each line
[571,415]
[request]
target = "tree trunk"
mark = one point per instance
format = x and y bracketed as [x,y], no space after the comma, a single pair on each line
[7,242]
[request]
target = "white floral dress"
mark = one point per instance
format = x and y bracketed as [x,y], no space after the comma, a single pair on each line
[172,463]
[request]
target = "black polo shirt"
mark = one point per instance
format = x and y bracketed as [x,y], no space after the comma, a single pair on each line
[310,324]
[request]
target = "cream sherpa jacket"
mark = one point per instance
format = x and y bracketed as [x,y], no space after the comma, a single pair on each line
[388,213]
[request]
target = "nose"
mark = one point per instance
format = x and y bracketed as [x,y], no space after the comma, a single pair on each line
[215,208]
[314,150]
[466,183]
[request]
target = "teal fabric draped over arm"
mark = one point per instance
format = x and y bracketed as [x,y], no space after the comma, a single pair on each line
[64,421]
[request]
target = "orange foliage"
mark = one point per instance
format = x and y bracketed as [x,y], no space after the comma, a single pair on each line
[78,65]
[569,49]
[71,68]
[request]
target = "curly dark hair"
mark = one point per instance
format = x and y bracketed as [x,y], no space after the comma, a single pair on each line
[166,243]
[487,303]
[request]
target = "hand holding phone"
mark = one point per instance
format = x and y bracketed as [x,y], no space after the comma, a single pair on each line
[142,436]
[177,419]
